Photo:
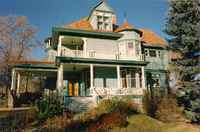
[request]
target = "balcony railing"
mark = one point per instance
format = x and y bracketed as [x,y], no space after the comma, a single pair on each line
[72,53]
[96,55]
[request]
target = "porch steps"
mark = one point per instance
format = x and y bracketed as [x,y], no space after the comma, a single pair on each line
[79,104]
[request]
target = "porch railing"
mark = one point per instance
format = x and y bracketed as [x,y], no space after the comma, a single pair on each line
[116,91]
[128,83]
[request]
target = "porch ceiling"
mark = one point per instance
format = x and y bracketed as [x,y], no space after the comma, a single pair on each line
[37,66]
[73,67]
[36,69]
[34,72]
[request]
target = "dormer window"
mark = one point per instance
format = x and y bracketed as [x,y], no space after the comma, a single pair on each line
[103,23]
[99,18]
[106,19]
[106,26]
[100,25]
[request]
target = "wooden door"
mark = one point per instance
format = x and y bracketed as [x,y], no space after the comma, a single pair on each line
[76,88]
[70,88]
[73,88]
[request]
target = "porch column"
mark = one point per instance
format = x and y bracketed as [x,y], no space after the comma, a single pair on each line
[137,80]
[13,87]
[91,76]
[13,82]
[94,94]
[18,82]
[143,78]
[60,81]
[85,47]
[118,77]
[60,45]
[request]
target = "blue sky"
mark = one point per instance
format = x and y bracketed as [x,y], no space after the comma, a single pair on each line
[44,14]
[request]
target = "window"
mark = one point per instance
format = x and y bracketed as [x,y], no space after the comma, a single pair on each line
[130,45]
[99,18]
[106,19]
[103,23]
[156,80]
[146,53]
[100,25]
[106,27]
[152,53]
[159,53]
[137,47]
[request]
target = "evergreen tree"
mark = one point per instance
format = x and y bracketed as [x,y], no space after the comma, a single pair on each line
[183,27]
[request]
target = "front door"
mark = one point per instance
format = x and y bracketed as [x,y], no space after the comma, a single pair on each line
[73,88]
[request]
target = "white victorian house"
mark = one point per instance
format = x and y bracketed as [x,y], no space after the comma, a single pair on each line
[92,58]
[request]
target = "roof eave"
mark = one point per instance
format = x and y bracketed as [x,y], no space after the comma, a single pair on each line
[99,61]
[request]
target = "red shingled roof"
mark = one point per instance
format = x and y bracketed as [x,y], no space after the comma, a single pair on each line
[82,24]
[149,37]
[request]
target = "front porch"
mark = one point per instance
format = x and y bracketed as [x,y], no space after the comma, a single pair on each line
[77,78]
[80,79]
[83,85]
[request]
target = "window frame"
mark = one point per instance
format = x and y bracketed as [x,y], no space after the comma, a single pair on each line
[104,21]
[158,53]
[146,52]
[137,47]
[155,53]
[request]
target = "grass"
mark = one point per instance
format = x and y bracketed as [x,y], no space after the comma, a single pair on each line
[143,123]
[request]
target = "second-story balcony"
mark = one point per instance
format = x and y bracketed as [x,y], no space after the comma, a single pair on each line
[96,55]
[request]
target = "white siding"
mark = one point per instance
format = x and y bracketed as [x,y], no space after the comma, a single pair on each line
[102,46]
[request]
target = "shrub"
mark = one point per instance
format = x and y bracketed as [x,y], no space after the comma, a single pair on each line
[108,113]
[168,110]
[58,123]
[48,109]
[122,106]
[107,121]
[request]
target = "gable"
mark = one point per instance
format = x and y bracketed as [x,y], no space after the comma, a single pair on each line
[103,6]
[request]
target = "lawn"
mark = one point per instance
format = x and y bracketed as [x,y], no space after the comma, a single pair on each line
[143,123]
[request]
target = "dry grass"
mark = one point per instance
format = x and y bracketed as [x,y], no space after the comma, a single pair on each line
[143,123]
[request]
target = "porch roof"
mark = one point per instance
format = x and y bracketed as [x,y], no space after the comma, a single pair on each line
[100,61]
[37,66]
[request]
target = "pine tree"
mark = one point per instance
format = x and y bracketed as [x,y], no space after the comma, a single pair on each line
[183,27]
